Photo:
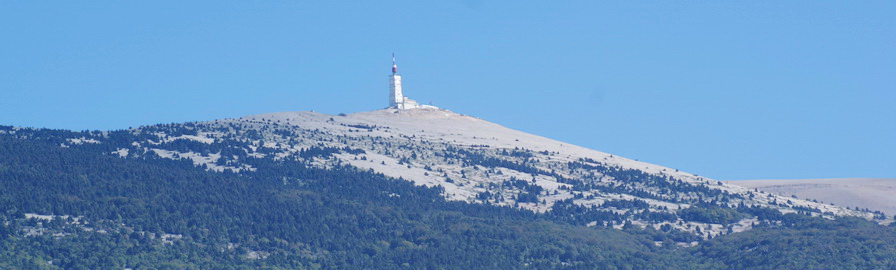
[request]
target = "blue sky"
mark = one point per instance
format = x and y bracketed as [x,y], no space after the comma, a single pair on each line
[730,90]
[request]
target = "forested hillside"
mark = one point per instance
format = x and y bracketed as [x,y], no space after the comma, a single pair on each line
[81,206]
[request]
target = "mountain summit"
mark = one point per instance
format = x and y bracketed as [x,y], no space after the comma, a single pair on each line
[476,161]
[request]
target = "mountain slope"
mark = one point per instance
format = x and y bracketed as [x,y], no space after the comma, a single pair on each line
[75,208]
[308,190]
[478,162]
[875,194]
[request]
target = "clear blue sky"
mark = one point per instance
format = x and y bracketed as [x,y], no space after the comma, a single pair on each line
[733,90]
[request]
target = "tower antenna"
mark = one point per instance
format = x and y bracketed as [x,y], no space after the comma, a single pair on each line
[394,67]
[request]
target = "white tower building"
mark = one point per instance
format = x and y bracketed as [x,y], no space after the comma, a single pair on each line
[396,99]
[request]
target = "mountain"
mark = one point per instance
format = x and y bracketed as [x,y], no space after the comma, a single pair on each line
[422,188]
[473,161]
[875,194]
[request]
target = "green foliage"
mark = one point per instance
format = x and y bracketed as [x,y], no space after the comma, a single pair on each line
[811,243]
[711,214]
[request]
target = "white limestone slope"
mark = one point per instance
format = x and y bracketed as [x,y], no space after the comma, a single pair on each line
[429,126]
[440,125]
[877,194]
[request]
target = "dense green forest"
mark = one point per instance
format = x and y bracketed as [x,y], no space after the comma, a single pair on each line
[99,211]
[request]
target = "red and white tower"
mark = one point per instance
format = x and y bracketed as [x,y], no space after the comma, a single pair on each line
[396,99]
